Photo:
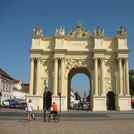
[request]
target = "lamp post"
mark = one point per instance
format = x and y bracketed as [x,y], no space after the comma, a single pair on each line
[45,95]
[60,100]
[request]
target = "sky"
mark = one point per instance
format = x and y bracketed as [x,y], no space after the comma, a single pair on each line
[19,17]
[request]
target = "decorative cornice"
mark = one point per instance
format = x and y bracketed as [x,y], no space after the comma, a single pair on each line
[78,51]
[59,50]
[122,50]
[99,50]
[36,51]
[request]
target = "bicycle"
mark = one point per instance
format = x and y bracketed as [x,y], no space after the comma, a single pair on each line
[56,118]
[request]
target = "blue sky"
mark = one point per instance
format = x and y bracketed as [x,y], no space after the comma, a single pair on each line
[19,17]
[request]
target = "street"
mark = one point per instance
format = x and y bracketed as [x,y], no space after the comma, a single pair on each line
[73,115]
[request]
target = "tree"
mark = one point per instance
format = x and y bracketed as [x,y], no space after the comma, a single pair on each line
[77,96]
[131,81]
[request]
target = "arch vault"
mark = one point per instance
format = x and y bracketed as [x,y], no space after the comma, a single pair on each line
[104,59]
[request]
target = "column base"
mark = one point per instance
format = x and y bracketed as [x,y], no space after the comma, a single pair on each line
[60,100]
[124,103]
[99,103]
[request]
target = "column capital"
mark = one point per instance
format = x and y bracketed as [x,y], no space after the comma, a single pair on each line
[32,58]
[95,58]
[62,59]
[56,58]
[120,58]
[38,58]
[126,59]
[102,59]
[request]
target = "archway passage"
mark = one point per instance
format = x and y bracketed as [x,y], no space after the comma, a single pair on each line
[48,100]
[110,101]
[72,73]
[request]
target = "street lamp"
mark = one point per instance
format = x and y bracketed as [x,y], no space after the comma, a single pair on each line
[45,96]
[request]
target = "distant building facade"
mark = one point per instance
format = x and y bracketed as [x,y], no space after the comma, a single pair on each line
[72,95]
[10,88]
[21,91]
[6,86]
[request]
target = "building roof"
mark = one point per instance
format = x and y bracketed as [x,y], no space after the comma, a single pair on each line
[25,88]
[16,81]
[4,74]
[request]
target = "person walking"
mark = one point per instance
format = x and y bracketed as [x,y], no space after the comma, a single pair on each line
[29,110]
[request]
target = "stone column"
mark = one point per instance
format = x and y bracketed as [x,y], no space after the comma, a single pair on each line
[120,76]
[38,76]
[31,75]
[62,76]
[96,76]
[102,77]
[126,76]
[55,76]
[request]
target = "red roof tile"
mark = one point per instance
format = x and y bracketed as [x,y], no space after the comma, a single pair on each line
[4,74]
[25,88]
[16,81]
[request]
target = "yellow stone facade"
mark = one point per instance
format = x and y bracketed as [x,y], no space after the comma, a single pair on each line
[104,60]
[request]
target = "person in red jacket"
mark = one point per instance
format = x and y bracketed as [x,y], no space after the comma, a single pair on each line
[54,106]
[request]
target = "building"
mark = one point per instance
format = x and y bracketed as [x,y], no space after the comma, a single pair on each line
[17,84]
[72,94]
[103,59]
[22,91]
[6,86]
[10,88]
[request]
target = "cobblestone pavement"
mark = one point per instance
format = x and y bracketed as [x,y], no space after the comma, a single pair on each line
[92,127]
[65,127]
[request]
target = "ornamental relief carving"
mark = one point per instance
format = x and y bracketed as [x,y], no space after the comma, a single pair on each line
[48,67]
[79,63]
[110,84]
[111,67]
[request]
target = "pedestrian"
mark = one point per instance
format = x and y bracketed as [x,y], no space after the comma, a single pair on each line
[29,110]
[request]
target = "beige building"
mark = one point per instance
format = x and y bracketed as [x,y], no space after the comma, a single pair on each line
[103,59]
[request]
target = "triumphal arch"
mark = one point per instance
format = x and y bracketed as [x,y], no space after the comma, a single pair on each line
[103,59]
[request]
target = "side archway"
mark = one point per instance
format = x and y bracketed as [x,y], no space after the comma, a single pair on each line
[48,100]
[110,101]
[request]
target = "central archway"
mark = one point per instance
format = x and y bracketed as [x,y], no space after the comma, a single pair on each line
[73,72]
